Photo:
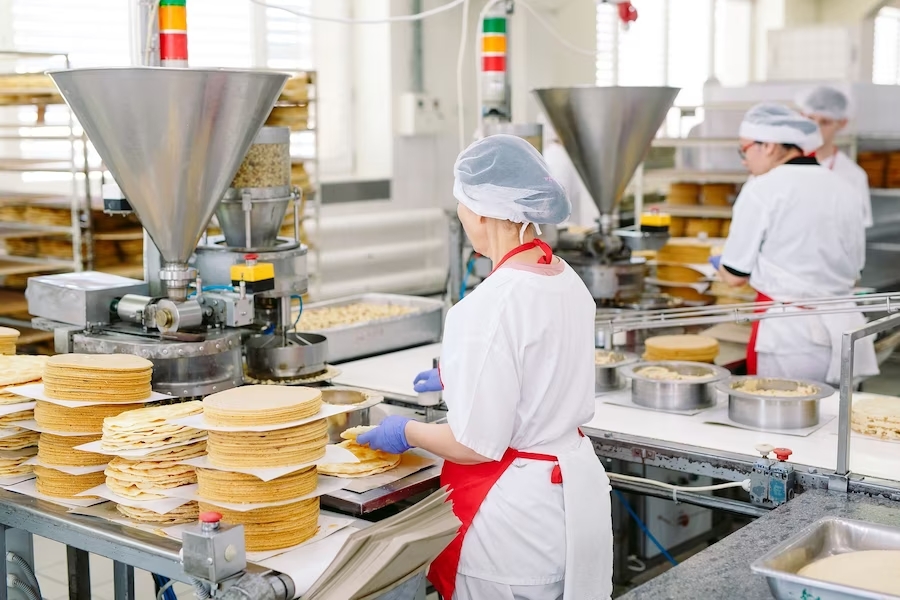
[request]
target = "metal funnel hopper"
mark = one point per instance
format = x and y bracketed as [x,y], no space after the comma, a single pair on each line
[607,132]
[172,138]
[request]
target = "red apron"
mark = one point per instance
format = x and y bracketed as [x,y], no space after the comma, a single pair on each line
[754,331]
[470,484]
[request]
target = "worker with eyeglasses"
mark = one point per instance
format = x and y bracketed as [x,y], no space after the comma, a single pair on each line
[794,237]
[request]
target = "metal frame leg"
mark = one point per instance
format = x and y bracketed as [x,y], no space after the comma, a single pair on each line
[79,566]
[3,591]
[123,581]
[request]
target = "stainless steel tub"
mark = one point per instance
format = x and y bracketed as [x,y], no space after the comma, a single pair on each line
[608,378]
[827,537]
[338,424]
[774,412]
[662,394]
[269,358]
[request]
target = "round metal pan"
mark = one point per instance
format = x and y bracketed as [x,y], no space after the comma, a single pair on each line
[673,394]
[269,358]
[338,424]
[774,412]
[608,378]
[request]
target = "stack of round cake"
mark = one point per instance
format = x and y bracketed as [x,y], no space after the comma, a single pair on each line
[876,416]
[160,469]
[691,348]
[98,377]
[17,445]
[8,339]
[244,412]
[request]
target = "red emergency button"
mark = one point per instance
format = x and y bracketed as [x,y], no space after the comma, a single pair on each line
[782,453]
[210,517]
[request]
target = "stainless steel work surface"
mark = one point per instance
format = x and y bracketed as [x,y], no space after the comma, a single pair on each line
[723,570]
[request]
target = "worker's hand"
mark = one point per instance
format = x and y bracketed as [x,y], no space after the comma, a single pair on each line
[389,436]
[716,261]
[428,381]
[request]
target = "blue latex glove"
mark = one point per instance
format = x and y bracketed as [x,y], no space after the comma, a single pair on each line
[428,381]
[389,436]
[716,261]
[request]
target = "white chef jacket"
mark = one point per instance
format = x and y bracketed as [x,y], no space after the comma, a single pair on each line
[584,212]
[796,235]
[517,364]
[841,164]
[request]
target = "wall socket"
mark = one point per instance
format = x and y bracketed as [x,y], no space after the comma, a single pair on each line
[420,114]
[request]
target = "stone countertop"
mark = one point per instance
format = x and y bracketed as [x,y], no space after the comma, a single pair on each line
[723,569]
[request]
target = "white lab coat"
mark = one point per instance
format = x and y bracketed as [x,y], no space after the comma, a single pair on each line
[841,164]
[797,236]
[517,363]
[584,212]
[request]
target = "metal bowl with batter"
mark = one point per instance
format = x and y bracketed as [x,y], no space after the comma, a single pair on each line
[608,377]
[692,386]
[774,403]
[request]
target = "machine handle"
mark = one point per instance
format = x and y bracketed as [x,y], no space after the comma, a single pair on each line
[210,517]
[782,454]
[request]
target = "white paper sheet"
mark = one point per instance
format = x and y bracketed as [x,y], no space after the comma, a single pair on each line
[625,400]
[14,479]
[160,507]
[66,469]
[35,391]
[328,410]
[32,425]
[8,409]
[326,485]
[306,564]
[29,488]
[333,454]
[11,431]
[719,416]
[97,448]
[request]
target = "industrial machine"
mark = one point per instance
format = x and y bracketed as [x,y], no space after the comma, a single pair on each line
[173,139]
[607,131]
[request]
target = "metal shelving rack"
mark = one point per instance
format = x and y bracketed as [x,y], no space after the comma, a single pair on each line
[80,228]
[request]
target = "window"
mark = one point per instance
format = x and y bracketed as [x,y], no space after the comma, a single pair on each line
[886,57]
[221,33]
[669,45]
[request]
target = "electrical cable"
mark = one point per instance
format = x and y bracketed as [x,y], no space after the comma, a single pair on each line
[299,314]
[745,484]
[154,7]
[546,25]
[644,528]
[398,19]
[163,593]
[12,557]
[460,61]
[16,583]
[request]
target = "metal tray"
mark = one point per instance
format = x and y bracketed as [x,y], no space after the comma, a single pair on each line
[675,395]
[383,335]
[774,412]
[827,537]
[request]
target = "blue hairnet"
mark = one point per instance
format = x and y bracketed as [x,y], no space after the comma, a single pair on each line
[826,102]
[504,177]
[769,122]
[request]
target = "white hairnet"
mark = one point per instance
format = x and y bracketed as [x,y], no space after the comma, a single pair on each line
[778,124]
[504,177]
[826,102]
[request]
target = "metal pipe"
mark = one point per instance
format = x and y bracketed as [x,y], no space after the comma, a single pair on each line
[298,197]
[714,502]
[846,389]
[416,68]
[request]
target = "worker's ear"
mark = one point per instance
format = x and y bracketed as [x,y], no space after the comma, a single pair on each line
[770,149]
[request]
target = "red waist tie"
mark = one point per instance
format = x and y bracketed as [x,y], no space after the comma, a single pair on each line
[469,486]
[754,331]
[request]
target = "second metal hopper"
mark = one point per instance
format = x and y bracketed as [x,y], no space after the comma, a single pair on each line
[606,132]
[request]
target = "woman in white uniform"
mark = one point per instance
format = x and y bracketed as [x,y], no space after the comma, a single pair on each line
[517,372]
[794,236]
[828,107]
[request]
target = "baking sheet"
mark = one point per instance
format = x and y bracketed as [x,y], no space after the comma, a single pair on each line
[36,392]
[160,507]
[326,485]
[333,454]
[29,488]
[410,462]
[328,525]
[97,448]
[626,401]
[32,425]
[327,410]
[66,469]
[719,416]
